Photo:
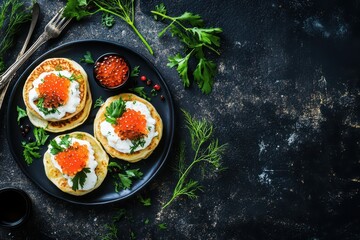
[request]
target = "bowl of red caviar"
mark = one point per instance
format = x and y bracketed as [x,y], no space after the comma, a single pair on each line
[112,71]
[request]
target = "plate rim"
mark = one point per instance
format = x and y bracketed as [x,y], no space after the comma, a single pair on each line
[10,96]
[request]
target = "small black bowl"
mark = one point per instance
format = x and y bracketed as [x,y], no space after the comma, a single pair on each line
[106,59]
[15,207]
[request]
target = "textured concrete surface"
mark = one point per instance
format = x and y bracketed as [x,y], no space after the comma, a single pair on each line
[286,100]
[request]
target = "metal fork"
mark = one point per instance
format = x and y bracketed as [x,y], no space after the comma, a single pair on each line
[51,30]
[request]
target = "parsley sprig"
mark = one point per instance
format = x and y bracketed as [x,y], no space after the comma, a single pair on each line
[115,110]
[207,150]
[32,149]
[61,146]
[123,177]
[21,113]
[98,102]
[139,142]
[79,179]
[87,58]
[189,29]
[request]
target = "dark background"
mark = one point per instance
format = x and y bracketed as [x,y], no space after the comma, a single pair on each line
[285,99]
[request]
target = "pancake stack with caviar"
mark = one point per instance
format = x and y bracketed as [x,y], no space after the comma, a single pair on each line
[76,163]
[57,95]
[128,127]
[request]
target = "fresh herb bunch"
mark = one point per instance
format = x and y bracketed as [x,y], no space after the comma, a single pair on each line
[123,177]
[189,29]
[123,9]
[32,149]
[207,150]
[12,15]
[115,110]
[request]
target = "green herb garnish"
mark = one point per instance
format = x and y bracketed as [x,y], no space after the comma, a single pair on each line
[74,77]
[135,71]
[141,92]
[41,136]
[31,149]
[115,110]
[139,142]
[124,9]
[112,230]
[145,201]
[12,16]
[188,28]
[123,177]
[162,226]
[21,114]
[107,20]
[161,9]
[79,179]
[206,151]
[87,58]
[44,110]
[98,102]
[61,146]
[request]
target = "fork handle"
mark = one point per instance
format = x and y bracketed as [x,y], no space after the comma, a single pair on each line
[10,72]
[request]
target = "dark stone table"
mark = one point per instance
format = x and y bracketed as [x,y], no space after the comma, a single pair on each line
[285,99]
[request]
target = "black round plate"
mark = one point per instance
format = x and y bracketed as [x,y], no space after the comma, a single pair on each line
[106,192]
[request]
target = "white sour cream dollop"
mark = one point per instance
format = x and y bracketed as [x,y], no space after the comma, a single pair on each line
[69,107]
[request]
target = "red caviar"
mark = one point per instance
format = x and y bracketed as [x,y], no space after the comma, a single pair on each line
[55,90]
[131,125]
[111,71]
[73,159]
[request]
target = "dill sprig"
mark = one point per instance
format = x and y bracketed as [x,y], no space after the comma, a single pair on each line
[207,150]
[12,15]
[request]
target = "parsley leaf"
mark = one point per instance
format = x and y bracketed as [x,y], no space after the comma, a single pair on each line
[61,146]
[145,201]
[98,102]
[107,20]
[87,58]
[126,179]
[139,142]
[194,20]
[31,149]
[161,9]
[80,179]
[207,35]
[75,9]
[204,75]
[141,92]
[135,71]
[182,67]
[41,136]
[123,177]
[21,113]
[115,110]
[162,226]
[189,29]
